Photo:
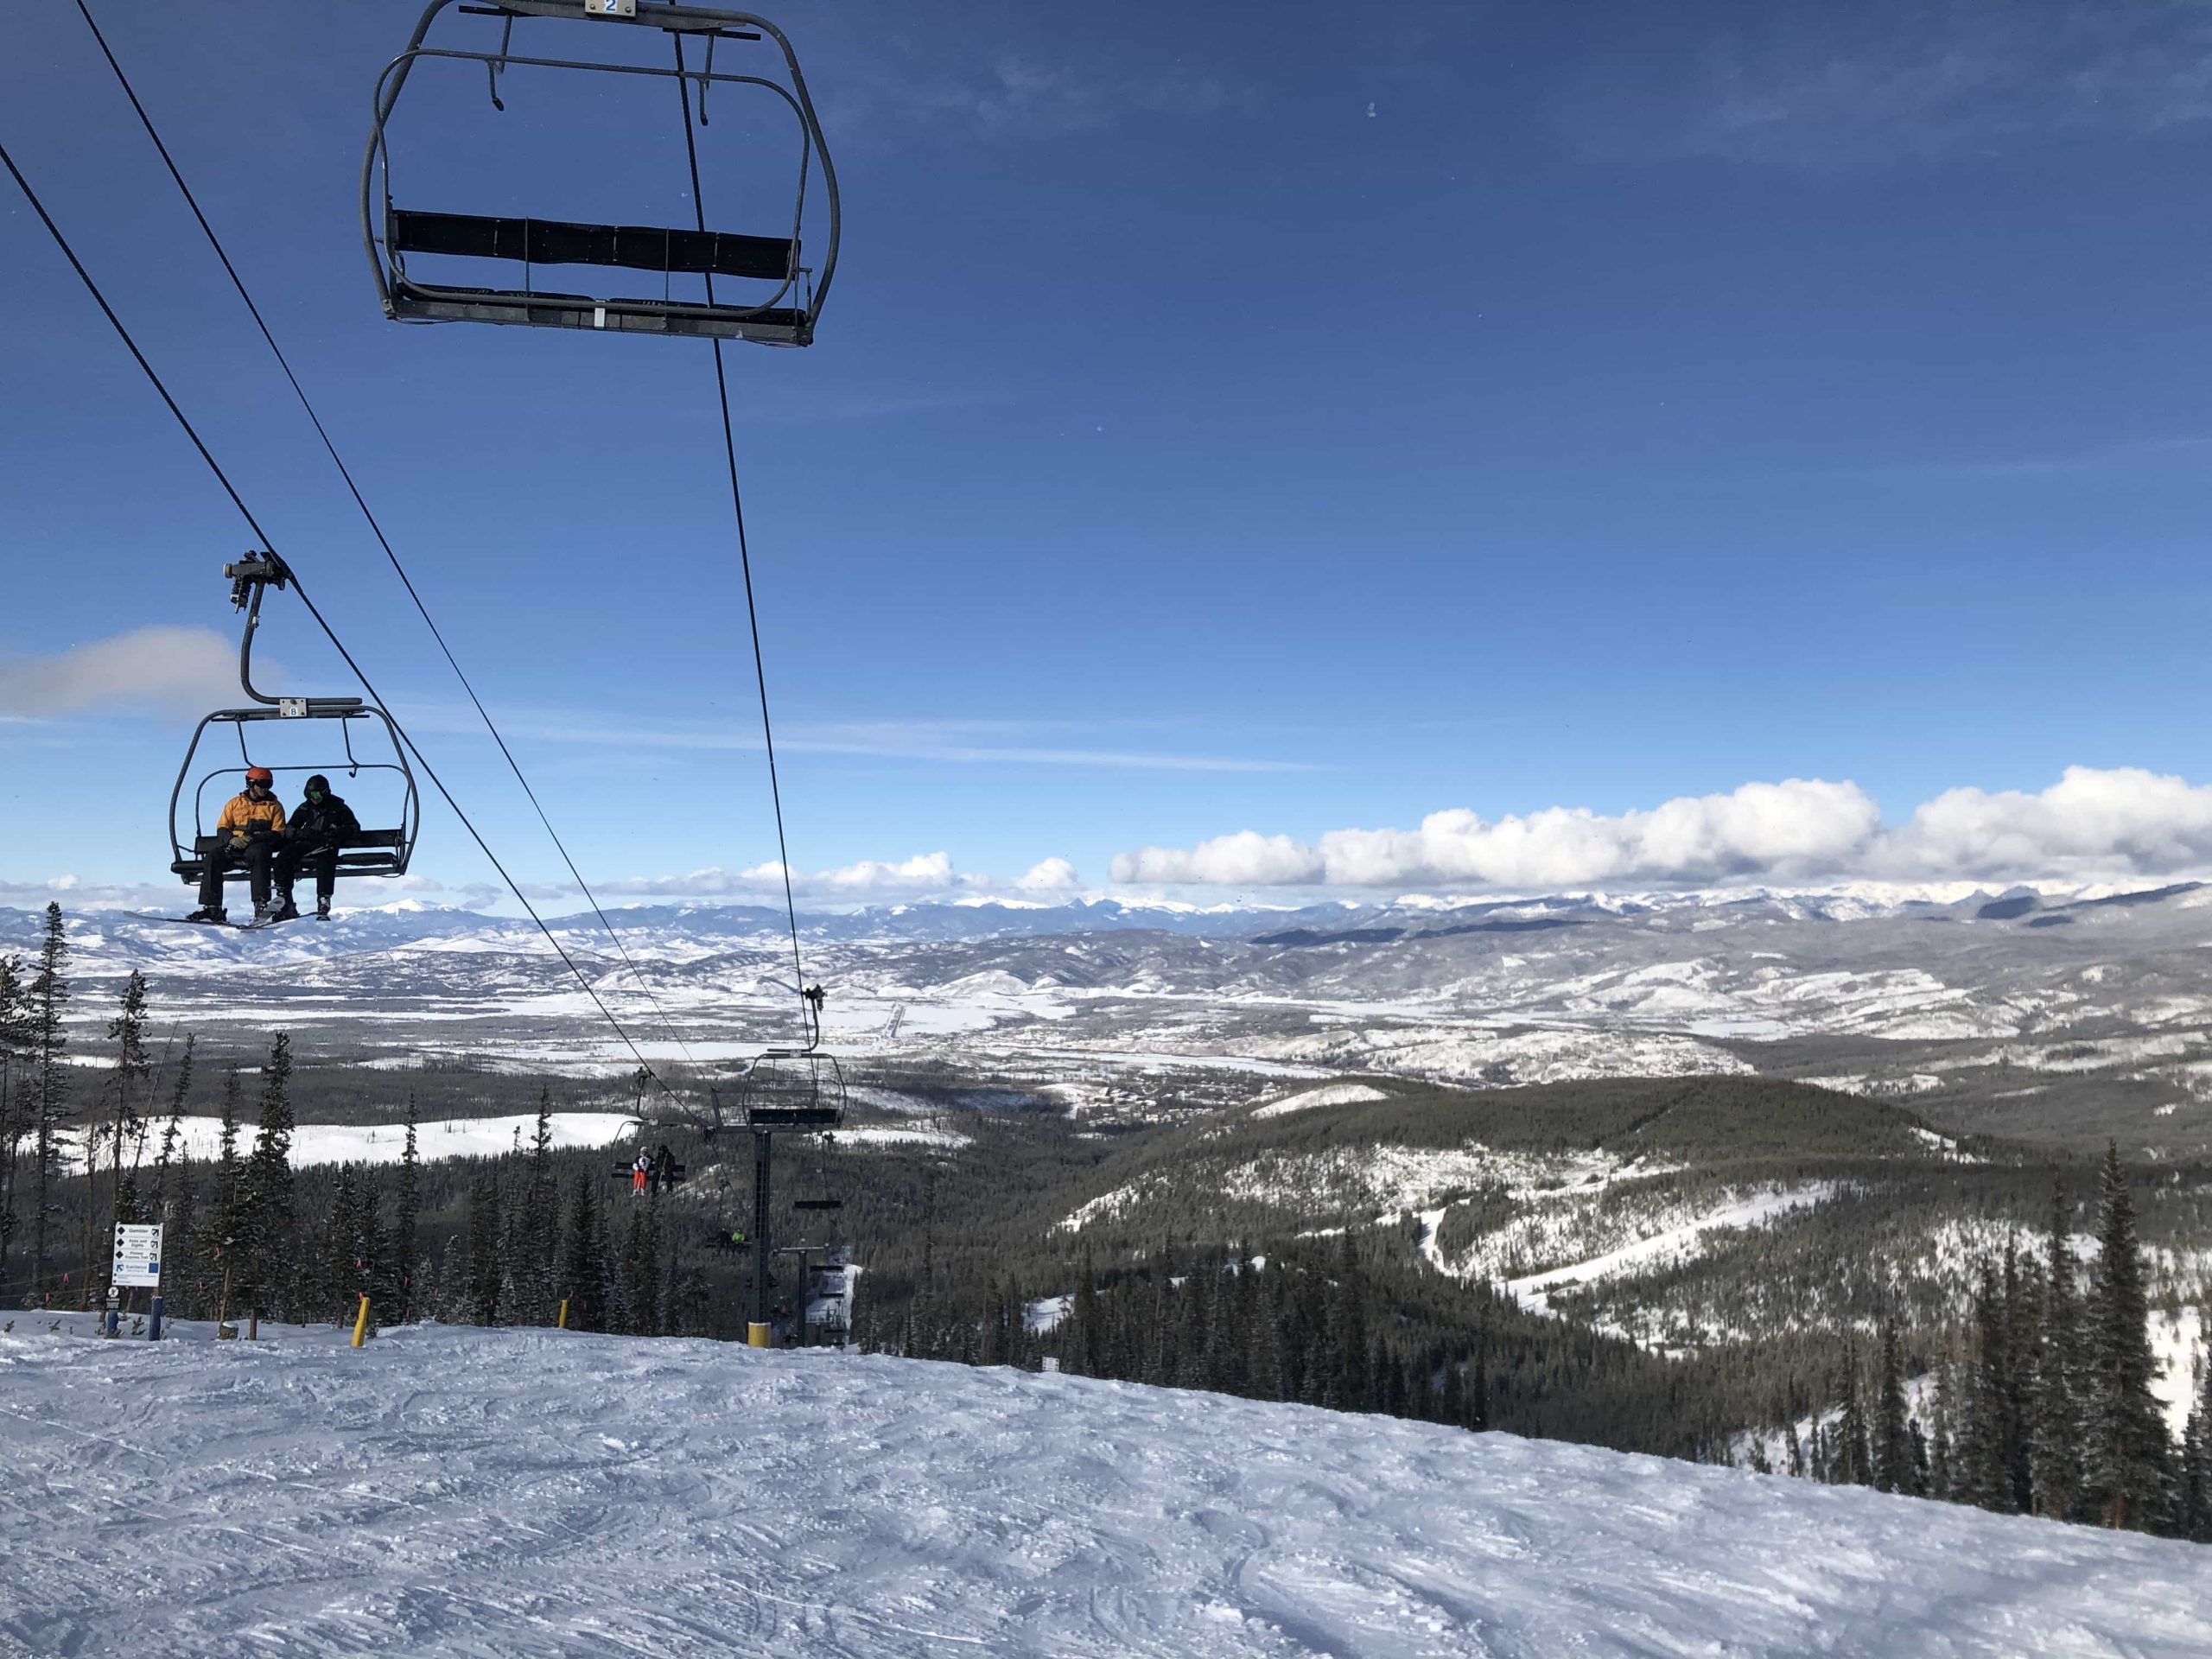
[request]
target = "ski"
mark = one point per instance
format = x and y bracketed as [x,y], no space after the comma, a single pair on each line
[235,927]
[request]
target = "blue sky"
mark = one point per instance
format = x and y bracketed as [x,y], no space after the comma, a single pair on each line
[1251,420]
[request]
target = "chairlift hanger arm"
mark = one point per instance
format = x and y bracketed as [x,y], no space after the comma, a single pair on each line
[252,577]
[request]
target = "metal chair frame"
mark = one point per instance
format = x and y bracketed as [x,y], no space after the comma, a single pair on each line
[250,579]
[786,317]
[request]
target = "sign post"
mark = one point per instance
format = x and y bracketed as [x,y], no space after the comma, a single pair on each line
[138,1262]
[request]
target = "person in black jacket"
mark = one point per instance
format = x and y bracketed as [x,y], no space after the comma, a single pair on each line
[321,825]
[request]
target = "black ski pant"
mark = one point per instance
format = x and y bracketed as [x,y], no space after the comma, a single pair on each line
[254,858]
[322,859]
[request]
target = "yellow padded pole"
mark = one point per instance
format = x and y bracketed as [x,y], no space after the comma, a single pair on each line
[758,1335]
[361,1322]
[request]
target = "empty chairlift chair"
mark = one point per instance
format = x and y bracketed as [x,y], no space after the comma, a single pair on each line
[767,293]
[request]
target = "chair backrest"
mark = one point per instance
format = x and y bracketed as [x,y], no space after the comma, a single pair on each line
[557,242]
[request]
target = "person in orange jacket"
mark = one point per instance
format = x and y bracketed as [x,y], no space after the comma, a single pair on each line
[251,830]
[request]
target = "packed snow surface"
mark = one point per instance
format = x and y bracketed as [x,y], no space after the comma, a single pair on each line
[448,1492]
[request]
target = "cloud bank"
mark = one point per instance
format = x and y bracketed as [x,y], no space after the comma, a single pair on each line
[2121,823]
[924,874]
[192,668]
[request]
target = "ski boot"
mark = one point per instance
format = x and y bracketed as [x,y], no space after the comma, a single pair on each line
[322,909]
[286,910]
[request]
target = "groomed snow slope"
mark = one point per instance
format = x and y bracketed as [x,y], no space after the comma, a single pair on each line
[490,1493]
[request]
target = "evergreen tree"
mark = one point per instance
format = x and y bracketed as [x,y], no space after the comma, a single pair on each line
[2055,1428]
[486,1273]
[1084,1352]
[583,1265]
[641,1272]
[221,1245]
[16,1050]
[2125,1450]
[406,1217]
[1994,1452]
[993,1342]
[337,1286]
[1858,1463]
[133,1066]
[263,1239]
[182,1267]
[2195,1517]
[1348,1389]
[48,1000]
[1266,1371]
[1941,1461]
[1893,1461]
[2023,1336]
[172,1135]
[536,1226]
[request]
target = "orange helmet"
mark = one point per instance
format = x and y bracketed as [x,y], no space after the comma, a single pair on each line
[259,775]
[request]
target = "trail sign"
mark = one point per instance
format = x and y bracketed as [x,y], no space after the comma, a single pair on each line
[137,1254]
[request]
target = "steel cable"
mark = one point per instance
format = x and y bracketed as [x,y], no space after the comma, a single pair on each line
[222,478]
[375,528]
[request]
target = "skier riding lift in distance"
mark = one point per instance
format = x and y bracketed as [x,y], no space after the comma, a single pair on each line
[252,823]
[639,1172]
[321,825]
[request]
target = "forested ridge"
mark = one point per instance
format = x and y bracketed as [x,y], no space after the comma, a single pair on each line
[1961,1319]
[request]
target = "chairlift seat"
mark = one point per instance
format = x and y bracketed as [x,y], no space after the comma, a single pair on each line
[372,852]
[793,1117]
[772,325]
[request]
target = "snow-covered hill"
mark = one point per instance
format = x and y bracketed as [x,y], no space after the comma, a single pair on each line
[2010,1010]
[489,1493]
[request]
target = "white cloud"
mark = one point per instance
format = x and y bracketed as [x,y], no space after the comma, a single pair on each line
[75,894]
[925,872]
[920,876]
[1049,875]
[193,668]
[1245,859]
[2122,823]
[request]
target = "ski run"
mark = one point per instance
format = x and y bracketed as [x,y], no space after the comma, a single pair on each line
[448,1492]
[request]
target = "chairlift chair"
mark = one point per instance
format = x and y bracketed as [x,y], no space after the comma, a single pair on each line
[783,296]
[193,840]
